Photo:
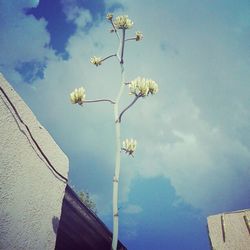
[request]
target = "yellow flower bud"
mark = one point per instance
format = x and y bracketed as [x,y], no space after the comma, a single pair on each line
[129,146]
[96,60]
[109,16]
[123,22]
[138,36]
[78,96]
[153,86]
[142,87]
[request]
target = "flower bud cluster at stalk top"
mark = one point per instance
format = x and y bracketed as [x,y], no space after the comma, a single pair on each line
[143,87]
[129,146]
[123,22]
[78,96]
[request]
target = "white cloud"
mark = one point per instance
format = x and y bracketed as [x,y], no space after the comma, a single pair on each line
[80,17]
[132,209]
[194,132]
[23,38]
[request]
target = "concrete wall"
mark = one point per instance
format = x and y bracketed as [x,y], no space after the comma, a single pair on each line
[230,231]
[31,192]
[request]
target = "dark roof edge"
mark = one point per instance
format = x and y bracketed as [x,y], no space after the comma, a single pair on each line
[79,227]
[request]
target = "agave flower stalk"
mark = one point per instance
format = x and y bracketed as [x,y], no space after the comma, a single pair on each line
[118,147]
[139,87]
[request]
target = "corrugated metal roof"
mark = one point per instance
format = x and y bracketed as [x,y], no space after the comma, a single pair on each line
[79,228]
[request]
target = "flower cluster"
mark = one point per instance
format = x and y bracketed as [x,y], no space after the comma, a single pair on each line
[96,60]
[109,16]
[123,22]
[78,96]
[138,36]
[143,87]
[129,146]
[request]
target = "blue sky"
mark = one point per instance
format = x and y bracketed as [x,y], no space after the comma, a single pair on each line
[193,156]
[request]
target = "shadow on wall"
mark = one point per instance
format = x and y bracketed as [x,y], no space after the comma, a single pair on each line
[55,224]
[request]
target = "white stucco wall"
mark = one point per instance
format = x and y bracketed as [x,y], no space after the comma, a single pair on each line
[31,193]
[230,231]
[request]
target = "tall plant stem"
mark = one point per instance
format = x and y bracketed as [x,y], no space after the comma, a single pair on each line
[117,151]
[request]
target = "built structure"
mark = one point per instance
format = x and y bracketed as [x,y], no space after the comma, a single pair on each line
[38,210]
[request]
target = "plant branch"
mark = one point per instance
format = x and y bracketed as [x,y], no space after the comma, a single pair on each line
[129,106]
[99,100]
[129,39]
[123,43]
[117,34]
[107,57]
